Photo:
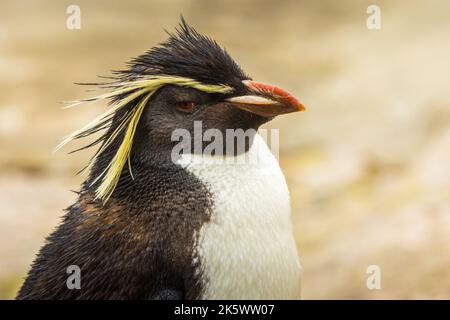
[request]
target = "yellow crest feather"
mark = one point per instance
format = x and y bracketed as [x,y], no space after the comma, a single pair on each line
[141,88]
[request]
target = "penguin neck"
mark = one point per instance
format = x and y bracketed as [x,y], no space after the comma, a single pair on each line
[148,154]
[254,153]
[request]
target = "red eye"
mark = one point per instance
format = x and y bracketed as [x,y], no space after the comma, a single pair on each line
[186,105]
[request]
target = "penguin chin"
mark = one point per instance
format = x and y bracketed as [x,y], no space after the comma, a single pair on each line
[216,143]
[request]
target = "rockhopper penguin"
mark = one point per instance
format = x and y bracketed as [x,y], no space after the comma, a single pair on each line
[148,225]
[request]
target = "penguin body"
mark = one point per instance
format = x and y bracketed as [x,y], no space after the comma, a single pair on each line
[148,225]
[207,230]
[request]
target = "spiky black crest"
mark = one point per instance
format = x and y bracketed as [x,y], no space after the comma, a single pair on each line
[190,54]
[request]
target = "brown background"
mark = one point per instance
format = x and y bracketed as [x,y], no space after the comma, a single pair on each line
[367,164]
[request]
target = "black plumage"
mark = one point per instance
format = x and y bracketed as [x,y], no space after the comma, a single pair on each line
[133,247]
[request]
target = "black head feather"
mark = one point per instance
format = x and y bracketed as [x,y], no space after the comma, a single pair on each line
[190,54]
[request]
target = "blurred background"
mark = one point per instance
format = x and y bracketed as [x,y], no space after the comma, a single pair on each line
[367,164]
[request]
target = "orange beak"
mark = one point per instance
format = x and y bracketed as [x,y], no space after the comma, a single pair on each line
[266,100]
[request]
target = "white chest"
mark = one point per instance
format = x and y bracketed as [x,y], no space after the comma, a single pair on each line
[247,250]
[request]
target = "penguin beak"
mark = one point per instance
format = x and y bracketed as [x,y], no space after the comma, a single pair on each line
[266,100]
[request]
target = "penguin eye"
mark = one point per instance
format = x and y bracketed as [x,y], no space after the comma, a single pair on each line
[186,106]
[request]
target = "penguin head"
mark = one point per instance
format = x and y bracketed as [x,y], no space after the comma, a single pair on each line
[246,104]
[187,80]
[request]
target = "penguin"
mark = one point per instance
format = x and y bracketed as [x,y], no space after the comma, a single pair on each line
[148,224]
